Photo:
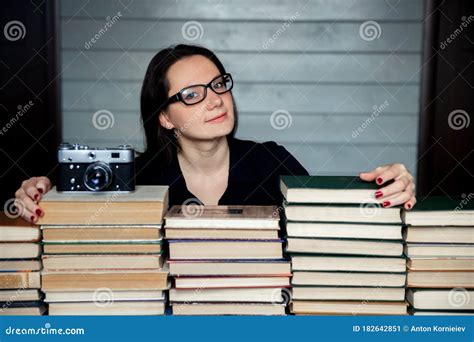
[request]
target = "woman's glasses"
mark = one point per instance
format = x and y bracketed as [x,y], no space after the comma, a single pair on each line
[197,93]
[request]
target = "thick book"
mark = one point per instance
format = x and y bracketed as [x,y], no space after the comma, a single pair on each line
[441,264]
[443,279]
[19,295]
[348,279]
[439,250]
[223,217]
[351,247]
[441,211]
[30,308]
[17,230]
[19,250]
[131,247]
[348,293]
[20,265]
[346,263]
[20,280]
[230,282]
[234,309]
[432,234]
[74,233]
[229,267]
[454,299]
[126,308]
[354,213]
[90,296]
[101,261]
[146,205]
[326,189]
[113,280]
[252,295]
[219,234]
[225,249]
[344,230]
[348,307]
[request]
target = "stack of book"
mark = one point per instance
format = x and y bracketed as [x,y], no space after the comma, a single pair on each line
[440,248]
[103,252]
[346,250]
[226,260]
[19,267]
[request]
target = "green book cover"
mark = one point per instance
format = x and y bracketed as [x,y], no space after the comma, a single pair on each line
[443,203]
[328,182]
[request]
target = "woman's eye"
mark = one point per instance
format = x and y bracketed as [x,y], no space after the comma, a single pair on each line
[192,95]
[218,85]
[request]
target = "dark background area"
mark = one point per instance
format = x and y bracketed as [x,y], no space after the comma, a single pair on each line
[446,158]
[29,71]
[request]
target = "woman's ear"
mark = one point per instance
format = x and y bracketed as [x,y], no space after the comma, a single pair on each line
[164,121]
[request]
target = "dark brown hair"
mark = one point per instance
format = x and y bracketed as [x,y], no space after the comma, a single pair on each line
[160,141]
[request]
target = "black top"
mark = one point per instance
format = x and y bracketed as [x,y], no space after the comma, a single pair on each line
[254,174]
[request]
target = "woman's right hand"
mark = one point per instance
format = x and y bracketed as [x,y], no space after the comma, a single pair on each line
[28,196]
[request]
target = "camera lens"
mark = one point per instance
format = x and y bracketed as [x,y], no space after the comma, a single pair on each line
[98,176]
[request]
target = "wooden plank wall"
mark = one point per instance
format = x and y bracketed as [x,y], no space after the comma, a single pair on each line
[351,97]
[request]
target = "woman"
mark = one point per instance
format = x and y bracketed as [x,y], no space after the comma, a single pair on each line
[189,117]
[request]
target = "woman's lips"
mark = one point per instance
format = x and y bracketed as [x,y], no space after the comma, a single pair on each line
[218,118]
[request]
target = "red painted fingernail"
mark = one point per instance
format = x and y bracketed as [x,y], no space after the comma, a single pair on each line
[36,197]
[386,204]
[40,190]
[38,212]
[409,206]
[378,194]
[32,218]
[379,180]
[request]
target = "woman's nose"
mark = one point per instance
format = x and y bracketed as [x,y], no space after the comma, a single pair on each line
[213,100]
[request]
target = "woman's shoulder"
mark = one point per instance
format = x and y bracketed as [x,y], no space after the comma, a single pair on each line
[267,155]
[149,168]
[255,147]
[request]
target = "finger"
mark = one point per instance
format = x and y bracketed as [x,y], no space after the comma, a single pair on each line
[32,191]
[398,186]
[43,185]
[23,210]
[391,173]
[396,199]
[371,175]
[29,216]
[410,203]
[24,202]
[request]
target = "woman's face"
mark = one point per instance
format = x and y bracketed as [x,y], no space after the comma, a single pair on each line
[207,120]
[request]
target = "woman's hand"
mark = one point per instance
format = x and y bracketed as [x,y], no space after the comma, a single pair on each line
[28,196]
[401,191]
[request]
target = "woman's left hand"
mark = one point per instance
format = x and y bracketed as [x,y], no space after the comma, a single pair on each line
[401,191]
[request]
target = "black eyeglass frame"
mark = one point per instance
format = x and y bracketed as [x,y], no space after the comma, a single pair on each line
[178,97]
